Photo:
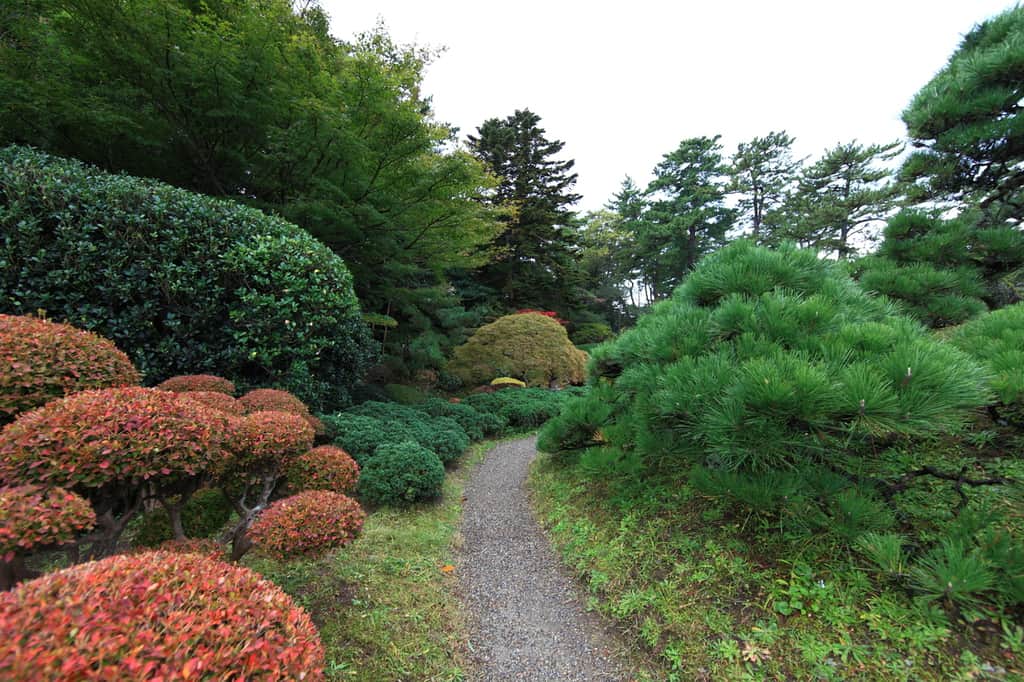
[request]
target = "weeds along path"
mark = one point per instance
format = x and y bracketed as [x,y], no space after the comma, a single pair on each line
[526,618]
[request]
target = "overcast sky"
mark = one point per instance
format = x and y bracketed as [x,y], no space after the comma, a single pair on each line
[622,83]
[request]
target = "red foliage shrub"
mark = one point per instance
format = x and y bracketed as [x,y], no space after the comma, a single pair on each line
[41,361]
[324,468]
[157,615]
[31,516]
[267,440]
[310,522]
[273,400]
[93,438]
[198,382]
[218,401]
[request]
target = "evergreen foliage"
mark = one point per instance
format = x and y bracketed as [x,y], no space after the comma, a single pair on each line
[401,473]
[529,347]
[966,123]
[767,361]
[997,341]
[181,281]
[762,172]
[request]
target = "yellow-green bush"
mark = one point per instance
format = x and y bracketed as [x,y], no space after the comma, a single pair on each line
[528,346]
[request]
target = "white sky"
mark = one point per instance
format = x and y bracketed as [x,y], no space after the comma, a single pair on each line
[621,83]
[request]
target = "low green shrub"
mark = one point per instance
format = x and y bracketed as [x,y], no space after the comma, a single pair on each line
[203,516]
[364,428]
[477,425]
[401,473]
[359,435]
[406,395]
[523,408]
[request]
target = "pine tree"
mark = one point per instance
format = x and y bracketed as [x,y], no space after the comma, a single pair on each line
[535,263]
[762,172]
[840,197]
[687,216]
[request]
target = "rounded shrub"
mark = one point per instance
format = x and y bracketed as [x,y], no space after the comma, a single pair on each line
[271,441]
[507,382]
[360,435]
[202,516]
[118,436]
[768,360]
[274,400]
[43,361]
[474,423]
[531,347]
[308,523]
[396,423]
[182,281]
[178,616]
[401,473]
[524,408]
[33,517]
[221,402]
[206,383]
[207,547]
[324,468]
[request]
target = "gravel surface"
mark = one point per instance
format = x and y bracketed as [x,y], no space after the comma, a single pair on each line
[527,622]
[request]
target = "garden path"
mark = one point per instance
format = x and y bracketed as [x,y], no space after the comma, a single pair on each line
[527,620]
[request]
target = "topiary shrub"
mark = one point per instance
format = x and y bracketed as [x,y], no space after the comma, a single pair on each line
[206,383]
[221,402]
[207,547]
[397,423]
[324,468]
[525,408]
[42,361]
[530,347]
[202,516]
[267,443]
[116,446]
[766,361]
[178,616]
[477,425]
[401,473]
[507,382]
[308,523]
[997,341]
[183,281]
[32,518]
[359,435]
[274,400]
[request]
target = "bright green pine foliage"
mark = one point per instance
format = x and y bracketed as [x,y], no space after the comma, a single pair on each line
[945,271]
[768,361]
[527,346]
[967,121]
[184,283]
[997,340]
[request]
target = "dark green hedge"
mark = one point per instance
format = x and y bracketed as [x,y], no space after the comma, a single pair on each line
[182,282]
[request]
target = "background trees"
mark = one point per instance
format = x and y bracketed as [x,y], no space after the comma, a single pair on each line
[533,264]
[762,172]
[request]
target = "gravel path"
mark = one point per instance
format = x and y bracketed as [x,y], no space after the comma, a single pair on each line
[526,618]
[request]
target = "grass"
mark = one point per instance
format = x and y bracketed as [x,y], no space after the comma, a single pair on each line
[706,593]
[385,605]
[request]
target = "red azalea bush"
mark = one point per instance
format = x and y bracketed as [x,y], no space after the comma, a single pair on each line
[311,522]
[271,440]
[41,361]
[274,400]
[31,517]
[124,435]
[327,467]
[198,382]
[218,401]
[156,615]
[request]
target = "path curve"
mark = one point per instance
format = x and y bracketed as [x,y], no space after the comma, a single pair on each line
[526,618]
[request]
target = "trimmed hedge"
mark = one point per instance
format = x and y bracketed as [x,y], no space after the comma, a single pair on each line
[207,383]
[394,423]
[32,517]
[401,473]
[270,441]
[307,524]
[183,281]
[43,361]
[530,346]
[477,425]
[275,400]
[521,408]
[157,614]
[221,402]
[324,468]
